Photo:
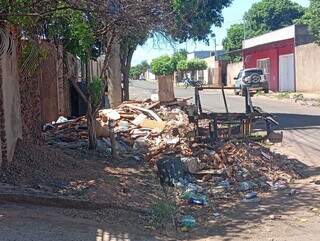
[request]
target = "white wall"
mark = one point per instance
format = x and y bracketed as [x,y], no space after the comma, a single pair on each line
[232,71]
[308,68]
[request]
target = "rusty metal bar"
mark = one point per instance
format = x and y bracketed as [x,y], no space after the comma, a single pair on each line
[218,88]
[225,100]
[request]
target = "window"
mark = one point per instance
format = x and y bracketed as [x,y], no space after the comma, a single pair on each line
[264,64]
[254,71]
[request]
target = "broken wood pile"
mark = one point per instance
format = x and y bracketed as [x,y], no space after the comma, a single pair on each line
[150,132]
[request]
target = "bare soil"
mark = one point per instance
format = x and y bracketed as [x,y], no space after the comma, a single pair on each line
[92,176]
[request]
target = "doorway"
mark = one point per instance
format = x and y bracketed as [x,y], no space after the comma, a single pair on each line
[286,73]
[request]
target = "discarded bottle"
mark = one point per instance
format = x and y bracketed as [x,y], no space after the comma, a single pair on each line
[251,195]
[188,222]
[187,195]
[198,200]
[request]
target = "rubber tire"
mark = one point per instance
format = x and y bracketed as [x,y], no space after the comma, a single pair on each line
[266,91]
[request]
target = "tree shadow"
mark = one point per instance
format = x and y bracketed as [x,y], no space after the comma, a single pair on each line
[297,121]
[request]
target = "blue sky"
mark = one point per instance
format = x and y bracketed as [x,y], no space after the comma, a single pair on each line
[152,48]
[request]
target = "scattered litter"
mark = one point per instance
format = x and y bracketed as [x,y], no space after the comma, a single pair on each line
[292,192]
[253,200]
[153,133]
[192,163]
[147,111]
[60,120]
[173,141]
[157,126]
[139,119]
[198,200]
[216,214]
[278,185]
[187,223]
[109,114]
[251,197]
[48,126]
[245,186]
[274,217]
[303,220]
[225,184]
[123,126]
[265,155]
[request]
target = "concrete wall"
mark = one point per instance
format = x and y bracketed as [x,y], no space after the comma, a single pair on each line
[10,108]
[209,72]
[150,76]
[307,64]
[232,71]
[49,83]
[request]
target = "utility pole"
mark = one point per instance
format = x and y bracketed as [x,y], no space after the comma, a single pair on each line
[215,48]
[244,30]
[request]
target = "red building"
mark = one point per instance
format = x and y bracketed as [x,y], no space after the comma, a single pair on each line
[275,53]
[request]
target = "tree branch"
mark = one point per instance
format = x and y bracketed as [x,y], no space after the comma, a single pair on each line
[83,96]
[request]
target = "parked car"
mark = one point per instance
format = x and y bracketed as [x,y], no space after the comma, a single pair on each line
[254,79]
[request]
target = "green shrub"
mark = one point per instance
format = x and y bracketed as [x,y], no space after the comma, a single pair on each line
[197,64]
[182,65]
[95,89]
[162,66]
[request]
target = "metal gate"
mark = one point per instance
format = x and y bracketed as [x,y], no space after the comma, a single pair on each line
[286,73]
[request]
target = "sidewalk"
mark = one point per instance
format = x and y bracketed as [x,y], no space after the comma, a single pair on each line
[307,99]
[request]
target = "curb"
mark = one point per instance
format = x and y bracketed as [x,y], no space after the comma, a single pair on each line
[59,202]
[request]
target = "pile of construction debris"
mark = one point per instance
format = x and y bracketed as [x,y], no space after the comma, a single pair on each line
[149,131]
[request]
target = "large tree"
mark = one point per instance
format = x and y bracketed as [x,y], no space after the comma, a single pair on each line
[233,42]
[128,45]
[312,18]
[270,15]
[194,18]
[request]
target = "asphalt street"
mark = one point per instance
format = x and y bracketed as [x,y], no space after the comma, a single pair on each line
[300,124]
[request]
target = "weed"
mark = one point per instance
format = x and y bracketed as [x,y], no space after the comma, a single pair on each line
[298,97]
[163,213]
[260,93]
[283,95]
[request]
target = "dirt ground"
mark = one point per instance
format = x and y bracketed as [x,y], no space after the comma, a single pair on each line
[82,175]
[295,218]
[134,186]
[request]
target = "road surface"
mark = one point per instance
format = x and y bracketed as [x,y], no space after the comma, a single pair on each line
[300,124]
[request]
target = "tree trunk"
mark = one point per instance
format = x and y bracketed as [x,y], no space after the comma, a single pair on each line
[166,89]
[126,58]
[114,145]
[125,76]
[114,82]
[91,123]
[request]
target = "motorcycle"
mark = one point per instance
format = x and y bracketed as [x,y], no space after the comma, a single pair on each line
[193,83]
